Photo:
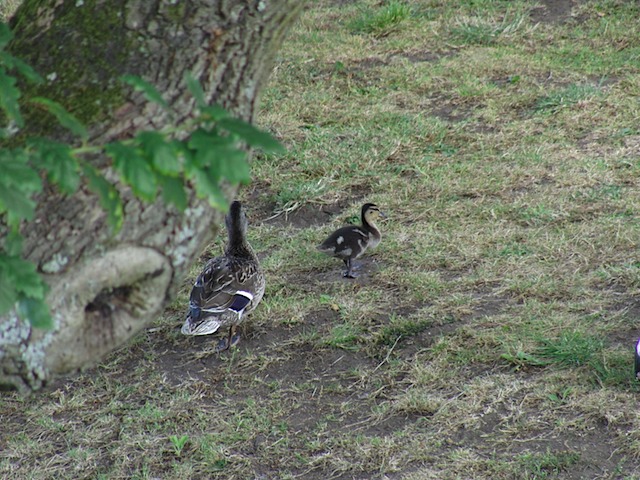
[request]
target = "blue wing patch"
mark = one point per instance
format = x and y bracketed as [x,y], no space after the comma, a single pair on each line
[240,301]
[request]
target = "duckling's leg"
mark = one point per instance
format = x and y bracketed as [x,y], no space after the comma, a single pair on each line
[348,273]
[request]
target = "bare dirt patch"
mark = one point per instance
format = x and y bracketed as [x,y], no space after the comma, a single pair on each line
[553,11]
[305,216]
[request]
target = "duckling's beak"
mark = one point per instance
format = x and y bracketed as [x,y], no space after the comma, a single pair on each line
[382,214]
[638,360]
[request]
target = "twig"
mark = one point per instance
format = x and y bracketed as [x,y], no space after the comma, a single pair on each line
[386,359]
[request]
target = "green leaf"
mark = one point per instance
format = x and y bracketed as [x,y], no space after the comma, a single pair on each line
[252,135]
[19,282]
[163,154]
[17,204]
[184,153]
[173,192]
[58,161]
[26,71]
[64,118]
[214,112]
[9,96]
[18,182]
[5,34]
[13,243]
[134,169]
[8,294]
[21,67]
[196,89]
[200,158]
[230,164]
[207,146]
[202,139]
[24,277]
[235,167]
[207,186]
[107,194]
[15,171]
[220,154]
[150,92]
[36,311]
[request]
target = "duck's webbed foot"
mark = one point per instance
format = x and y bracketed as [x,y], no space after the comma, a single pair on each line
[348,273]
[223,345]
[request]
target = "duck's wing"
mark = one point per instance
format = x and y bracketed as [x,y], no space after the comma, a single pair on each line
[345,241]
[220,291]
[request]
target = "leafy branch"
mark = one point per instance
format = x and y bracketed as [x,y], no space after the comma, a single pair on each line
[203,152]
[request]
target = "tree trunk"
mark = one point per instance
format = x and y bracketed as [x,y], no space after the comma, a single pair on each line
[105,288]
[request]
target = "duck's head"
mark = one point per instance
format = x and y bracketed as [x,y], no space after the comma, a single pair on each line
[236,220]
[371,213]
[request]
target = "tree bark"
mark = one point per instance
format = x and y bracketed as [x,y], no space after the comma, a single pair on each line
[105,288]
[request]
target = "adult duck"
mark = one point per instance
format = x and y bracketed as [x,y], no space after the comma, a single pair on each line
[229,287]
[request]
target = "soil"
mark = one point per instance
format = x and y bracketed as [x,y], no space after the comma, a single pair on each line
[553,11]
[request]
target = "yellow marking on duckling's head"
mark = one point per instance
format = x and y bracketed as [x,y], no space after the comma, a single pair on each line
[371,212]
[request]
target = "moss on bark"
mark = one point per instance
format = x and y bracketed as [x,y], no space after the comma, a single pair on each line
[82,68]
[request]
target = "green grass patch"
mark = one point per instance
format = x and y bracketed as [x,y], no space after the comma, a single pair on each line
[547,465]
[382,20]
[476,30]
[570,349]
[566,97]
[345,336]
[400,328]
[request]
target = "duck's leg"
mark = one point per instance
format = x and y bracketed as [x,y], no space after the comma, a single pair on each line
[348,273]
[231,340]
[234,336]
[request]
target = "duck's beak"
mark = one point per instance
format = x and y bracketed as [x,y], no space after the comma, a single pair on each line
[382,214]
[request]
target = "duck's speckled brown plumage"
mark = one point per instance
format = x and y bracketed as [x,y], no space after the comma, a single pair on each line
[350,242]
[229,287]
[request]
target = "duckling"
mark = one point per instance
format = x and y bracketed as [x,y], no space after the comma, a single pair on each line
[638,360]
[348,243]
[229,287]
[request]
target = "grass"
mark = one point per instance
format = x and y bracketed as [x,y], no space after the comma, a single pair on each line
[490,334]
[565,97]
[477,31]
[383,20]
[547,465]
